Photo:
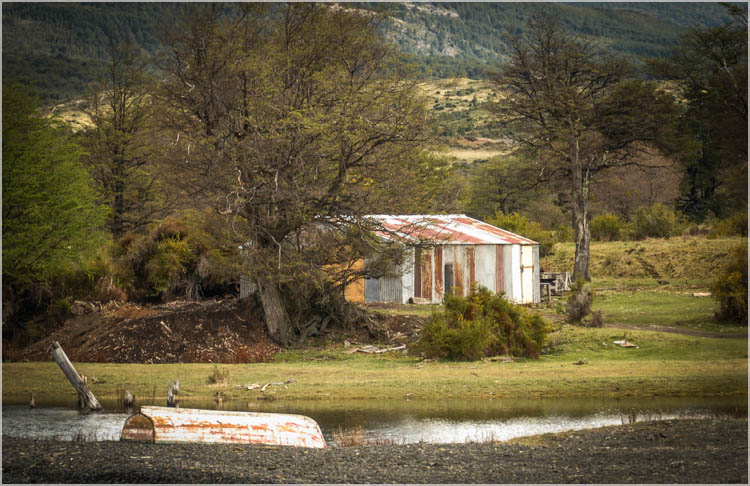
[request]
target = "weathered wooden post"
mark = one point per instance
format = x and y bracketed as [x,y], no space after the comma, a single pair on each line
[128,400]
[85,397]
[172,400]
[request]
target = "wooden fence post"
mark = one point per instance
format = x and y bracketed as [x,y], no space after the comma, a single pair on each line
[84,394]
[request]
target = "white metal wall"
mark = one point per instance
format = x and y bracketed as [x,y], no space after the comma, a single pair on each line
[485,263]
[515,271]
[527,274]
[520,273]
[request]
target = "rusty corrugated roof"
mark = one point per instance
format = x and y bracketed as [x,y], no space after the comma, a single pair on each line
[454,229]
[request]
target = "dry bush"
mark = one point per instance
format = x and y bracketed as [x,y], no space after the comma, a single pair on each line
[218,376]
[729,287]
[482,324]
[355,436]
[597,319]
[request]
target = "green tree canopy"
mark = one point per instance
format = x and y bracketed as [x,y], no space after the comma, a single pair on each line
[50,216]
[297,128]
[712,65]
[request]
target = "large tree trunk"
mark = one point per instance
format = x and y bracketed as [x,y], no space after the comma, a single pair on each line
[581,181]
[274,312]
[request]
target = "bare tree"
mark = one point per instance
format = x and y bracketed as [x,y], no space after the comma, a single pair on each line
[570,106]
[295,128]
[121,150]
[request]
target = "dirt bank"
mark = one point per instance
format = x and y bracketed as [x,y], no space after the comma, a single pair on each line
[675,451]
[224,331]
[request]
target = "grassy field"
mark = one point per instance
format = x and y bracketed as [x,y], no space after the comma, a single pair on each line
[680,260]
[664,364]
[660,307]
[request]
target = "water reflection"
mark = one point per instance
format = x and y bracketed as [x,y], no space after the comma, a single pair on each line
[398,421]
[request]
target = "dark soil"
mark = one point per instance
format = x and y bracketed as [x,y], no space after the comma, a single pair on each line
[224,331]
[674,451]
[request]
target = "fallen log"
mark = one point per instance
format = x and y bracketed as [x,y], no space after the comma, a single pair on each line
[86,399]
[277,383]
[370,349]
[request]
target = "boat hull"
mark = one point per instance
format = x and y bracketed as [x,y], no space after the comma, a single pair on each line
[172,425]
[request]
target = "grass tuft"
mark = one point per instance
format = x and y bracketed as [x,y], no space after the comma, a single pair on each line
[218,377]
[355,437]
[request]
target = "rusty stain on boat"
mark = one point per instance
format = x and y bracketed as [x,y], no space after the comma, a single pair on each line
[168,425]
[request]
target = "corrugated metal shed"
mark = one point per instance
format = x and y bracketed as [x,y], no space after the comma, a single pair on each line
[450,252]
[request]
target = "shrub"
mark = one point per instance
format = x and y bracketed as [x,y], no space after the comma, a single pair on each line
[579,302]
[734,225]
[597,320]
[656,221]
[168,267]
[606,227]
[184,256]
[218,376]
[482,324]
[730,287]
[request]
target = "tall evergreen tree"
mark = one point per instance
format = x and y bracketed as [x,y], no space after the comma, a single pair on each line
[712,65]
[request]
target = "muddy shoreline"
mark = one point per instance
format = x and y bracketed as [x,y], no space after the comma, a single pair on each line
[671,451]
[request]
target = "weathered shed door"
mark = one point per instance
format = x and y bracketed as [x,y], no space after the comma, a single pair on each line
[471,267]
[448,274]
[427,275]
[499,269]
[417,272]
[438,250]
[527,274]
[372,290]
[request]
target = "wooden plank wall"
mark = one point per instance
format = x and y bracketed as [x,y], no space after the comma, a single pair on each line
[426,275]
[417,272]
[439,273]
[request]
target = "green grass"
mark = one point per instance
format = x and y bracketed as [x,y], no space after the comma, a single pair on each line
[472,155]
[598,344]
[664,365]
[678,259]
[658,307]
[422,310]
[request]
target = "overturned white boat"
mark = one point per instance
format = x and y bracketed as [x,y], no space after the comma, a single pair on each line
[170,425]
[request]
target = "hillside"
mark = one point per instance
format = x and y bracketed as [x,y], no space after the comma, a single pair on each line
[475,30]
[58,46]
[684,258]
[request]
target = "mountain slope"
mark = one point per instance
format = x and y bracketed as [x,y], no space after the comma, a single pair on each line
[58,46]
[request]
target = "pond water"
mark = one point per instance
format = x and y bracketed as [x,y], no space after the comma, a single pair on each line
[402,422]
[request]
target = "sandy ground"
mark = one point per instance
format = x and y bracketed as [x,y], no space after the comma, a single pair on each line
[675,451]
